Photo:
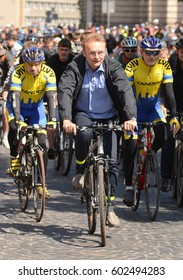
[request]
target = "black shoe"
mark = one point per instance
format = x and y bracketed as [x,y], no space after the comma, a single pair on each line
[128,198]
[165,184]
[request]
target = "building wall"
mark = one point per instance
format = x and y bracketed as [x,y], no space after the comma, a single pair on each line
[138,11]
[9,12]
[28,12]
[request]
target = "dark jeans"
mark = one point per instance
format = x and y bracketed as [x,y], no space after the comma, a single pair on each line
[82,142]
[167,156]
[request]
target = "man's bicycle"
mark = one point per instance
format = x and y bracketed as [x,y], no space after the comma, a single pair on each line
[96,190]
[147,176]
[31,176]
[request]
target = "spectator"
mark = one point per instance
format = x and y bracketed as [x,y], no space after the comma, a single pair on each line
[6,62]
[14,47]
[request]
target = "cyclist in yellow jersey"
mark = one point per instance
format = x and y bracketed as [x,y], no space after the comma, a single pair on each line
[147,74]
[30,82]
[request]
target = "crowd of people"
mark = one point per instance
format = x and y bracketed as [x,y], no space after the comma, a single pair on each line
[121,74]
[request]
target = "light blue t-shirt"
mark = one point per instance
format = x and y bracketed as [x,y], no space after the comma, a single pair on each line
[94,98]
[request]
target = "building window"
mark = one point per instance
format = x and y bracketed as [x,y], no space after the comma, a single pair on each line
[35,6]
[41,5]
[48,6]
[67,6]
[73,7]
[28,5]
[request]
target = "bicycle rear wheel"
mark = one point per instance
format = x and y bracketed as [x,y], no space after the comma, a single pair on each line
[24,180]
[90,185]
[102,203]
[180,175]
[38,171]
[66,154]
[57,147]
[152,185]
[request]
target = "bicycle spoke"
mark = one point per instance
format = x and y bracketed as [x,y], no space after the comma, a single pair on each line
[23,180]
[90,184]
[66,154]
[136,193]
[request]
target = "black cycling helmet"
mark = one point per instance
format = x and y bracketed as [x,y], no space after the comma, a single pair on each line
[151,42]
[179,43]
[33,54]
[32,38]
[129,42]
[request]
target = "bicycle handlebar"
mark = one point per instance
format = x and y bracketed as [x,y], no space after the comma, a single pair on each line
[101,126]
[34,127]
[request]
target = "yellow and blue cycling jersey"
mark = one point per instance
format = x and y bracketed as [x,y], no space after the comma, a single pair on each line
[146,82]
[32,90]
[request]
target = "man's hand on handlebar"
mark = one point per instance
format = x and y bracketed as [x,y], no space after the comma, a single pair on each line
[130,125]
[174,126]
[69,127]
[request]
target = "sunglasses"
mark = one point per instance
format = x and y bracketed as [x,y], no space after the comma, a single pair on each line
[130,50]
[152,53]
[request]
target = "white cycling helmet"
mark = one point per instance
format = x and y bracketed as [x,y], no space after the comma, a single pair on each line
[129,42]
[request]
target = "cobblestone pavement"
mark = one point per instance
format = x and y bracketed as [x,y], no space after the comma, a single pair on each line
[62,234]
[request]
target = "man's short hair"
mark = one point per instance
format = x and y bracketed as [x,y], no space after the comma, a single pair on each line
[93,37]
[13,37]
[65,43]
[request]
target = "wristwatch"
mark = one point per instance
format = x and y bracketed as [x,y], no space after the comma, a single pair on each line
[53,119]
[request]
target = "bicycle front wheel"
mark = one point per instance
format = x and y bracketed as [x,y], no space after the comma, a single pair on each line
[180,175]
[175,171]
[152,185]
[38,185]
[90,185]
[24,180]
[136,193]
[66,154]
[102,203]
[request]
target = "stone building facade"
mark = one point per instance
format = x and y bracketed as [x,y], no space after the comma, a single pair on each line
[134,11]
[99,12]
[28,12]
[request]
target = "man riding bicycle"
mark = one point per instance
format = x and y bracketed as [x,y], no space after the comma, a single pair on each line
[94,88]
[30,82]
[147,74]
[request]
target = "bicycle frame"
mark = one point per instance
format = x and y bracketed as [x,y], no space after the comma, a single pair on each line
[31,176]
[144,145]
[98,157]
[147,177]
[96,179]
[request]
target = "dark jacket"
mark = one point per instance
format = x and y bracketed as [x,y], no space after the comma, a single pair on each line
[117,84]
[178,81]
[4,67]
[57,65]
